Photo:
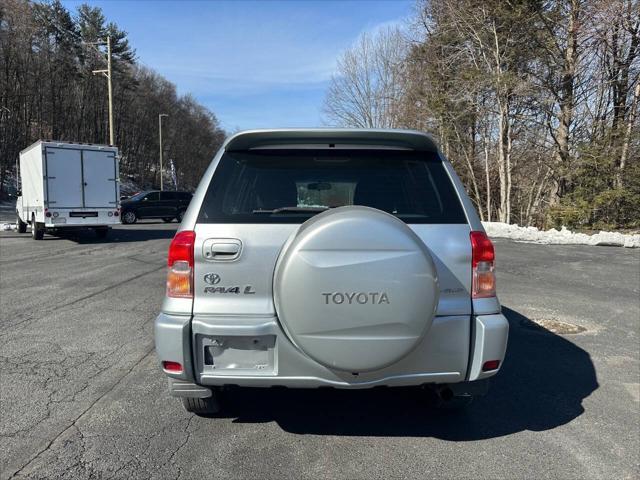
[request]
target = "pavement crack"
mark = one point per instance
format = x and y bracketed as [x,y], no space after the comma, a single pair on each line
[139,260]
[106,289]
[186,440]
[91,405]
[78,300]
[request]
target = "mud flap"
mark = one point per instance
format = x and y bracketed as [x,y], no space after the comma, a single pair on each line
[179,388]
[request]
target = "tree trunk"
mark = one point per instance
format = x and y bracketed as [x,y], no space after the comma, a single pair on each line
[567,100]
[508,148]
[504,161]
[488,180]
[626,139]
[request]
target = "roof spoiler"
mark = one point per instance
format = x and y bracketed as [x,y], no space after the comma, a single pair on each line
[406,139]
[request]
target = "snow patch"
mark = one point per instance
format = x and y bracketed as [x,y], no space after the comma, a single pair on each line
[9,226]
[564,236]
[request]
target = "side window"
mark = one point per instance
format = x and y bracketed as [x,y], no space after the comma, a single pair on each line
[152,197]
[186,196]
[167,195]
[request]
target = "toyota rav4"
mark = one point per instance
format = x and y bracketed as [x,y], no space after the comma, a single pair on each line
[339,258]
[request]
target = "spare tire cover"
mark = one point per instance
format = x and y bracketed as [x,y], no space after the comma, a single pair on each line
[355,289]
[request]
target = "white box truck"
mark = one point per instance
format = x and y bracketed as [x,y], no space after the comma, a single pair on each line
[68,186]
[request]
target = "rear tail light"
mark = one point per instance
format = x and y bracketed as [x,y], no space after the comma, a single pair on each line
[47,214]
[116,213]
[180,263]
[172,367]
[483,282]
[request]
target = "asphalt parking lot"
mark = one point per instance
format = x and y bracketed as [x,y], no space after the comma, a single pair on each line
[81,394]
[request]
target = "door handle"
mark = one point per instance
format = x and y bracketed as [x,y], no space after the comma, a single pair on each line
[225,248]
[222,249]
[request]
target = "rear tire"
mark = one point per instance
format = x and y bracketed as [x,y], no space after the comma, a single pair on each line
[129,217]
[37,229]
[167,219]
[22,227]
[202,406]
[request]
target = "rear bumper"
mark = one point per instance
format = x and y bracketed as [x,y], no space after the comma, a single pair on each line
[65,220]
[83,226]
[62,217]
[491,333]
[254,352]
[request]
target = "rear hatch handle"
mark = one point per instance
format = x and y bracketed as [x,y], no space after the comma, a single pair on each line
[222,249]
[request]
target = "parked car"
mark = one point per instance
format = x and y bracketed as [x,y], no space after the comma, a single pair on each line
[167,205]
[67,186]
[330,258]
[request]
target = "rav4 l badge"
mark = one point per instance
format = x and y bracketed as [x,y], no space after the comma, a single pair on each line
[214,279]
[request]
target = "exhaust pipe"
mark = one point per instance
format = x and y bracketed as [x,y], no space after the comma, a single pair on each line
[444,397]
[453,396]
[444,393]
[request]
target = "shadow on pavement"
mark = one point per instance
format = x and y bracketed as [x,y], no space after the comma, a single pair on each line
[10,235]
[118,235]
[541,386]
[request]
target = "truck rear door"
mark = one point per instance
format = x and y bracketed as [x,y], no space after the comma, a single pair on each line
[99,172]
[64,177]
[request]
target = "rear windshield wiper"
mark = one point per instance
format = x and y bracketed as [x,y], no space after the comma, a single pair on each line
[292,210]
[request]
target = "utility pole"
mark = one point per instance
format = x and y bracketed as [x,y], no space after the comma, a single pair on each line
[107,73]
[160,135]
[109,87]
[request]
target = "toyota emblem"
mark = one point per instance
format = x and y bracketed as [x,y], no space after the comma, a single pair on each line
[212,278]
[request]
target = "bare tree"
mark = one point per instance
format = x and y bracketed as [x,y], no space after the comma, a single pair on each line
[559,41]
[620,37]
[489,38]
[366,90]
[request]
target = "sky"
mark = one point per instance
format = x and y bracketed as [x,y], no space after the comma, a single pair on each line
[255,64]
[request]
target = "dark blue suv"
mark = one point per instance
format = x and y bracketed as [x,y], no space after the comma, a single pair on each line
[166,205]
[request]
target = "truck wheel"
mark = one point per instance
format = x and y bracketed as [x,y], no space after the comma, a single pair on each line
[22,227]
[129,217]
[102,232]
[202,406]
[37,229]
[167,219]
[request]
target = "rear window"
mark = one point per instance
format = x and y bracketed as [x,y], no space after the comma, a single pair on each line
[278,186]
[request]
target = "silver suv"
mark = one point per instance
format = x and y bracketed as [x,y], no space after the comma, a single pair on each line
[330,258]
